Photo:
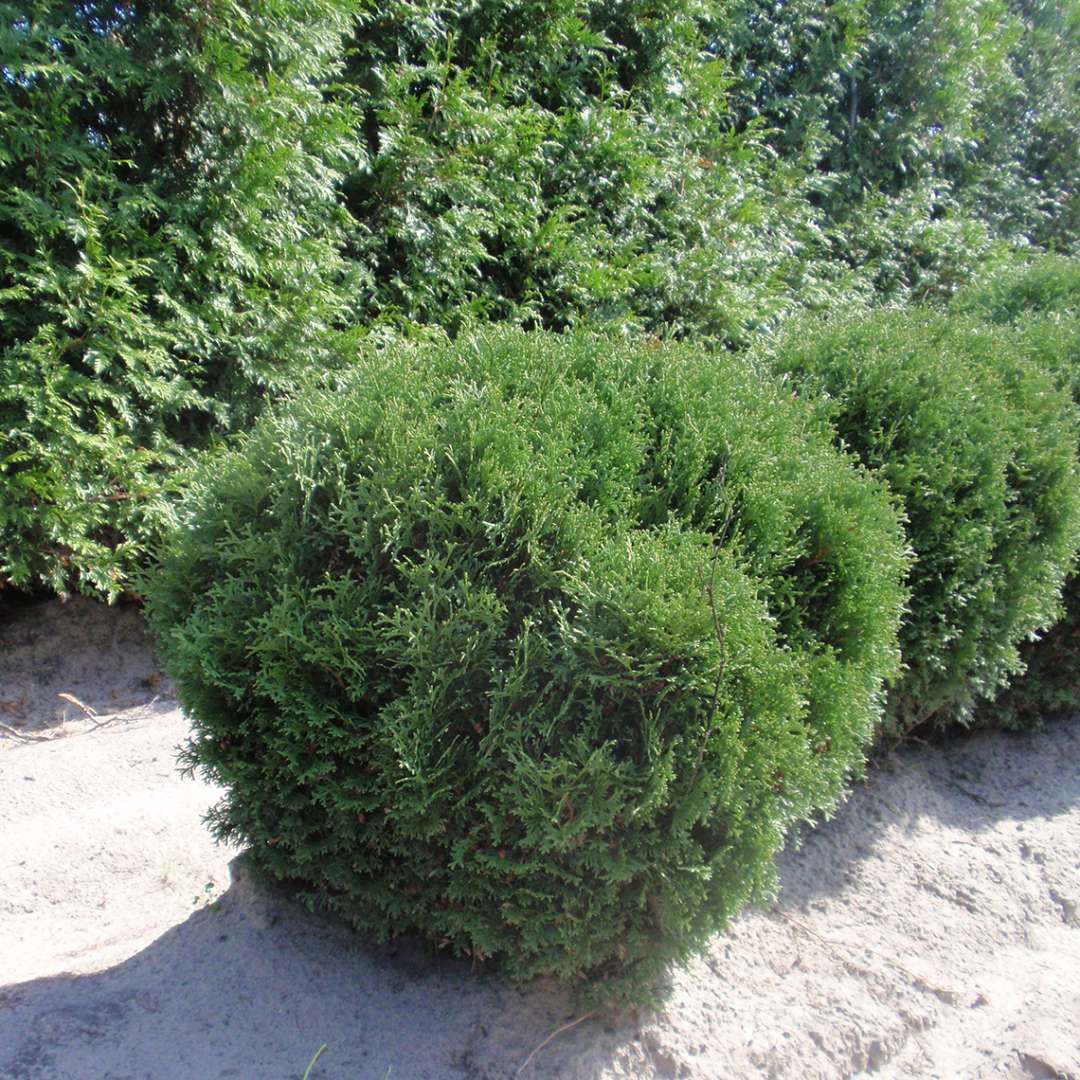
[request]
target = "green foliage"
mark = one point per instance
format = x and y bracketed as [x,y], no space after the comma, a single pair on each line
[880,101]
[880,94]
[1049,285]
[1050,682]
[1041,301]
[535,645]
[558,163]
[699,170]
[168,233]
[980,449]
[1025,171]
[905,248]
[926,129]
[193,197]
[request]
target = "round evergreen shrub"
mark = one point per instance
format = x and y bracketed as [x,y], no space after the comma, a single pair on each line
[1046,285]
[980,450]
[534,645]
[1041,301]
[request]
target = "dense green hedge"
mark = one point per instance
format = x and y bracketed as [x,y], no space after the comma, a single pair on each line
[169,250]
[1046,285]
[195,198]
[980,449]
[535,645]
[554,162]
[702,169]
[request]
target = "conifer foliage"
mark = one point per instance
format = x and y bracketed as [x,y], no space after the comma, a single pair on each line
[534,645]
[1040,302]
[980,448]
[549,163]
[169,239]
[539,643]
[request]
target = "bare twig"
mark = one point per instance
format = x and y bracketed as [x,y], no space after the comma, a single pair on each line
[96,722]
[97,725]
[91,714]
[25,736]
[86,710]
[558,1031]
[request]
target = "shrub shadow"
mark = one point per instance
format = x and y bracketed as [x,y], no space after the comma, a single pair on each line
[100,656]
[969,783]
[253,985]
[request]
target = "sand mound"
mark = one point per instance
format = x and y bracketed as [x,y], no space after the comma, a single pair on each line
[931,930]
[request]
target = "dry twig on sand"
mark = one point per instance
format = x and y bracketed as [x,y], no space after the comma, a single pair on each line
[96,724]
[558,1031]
[25,736]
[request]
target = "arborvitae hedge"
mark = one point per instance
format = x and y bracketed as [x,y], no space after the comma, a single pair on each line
[557,162]
[534,645]
[701,169]
[192,195]
[980,450]
[169,235]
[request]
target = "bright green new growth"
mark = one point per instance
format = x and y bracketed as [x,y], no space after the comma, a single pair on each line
[980,450]
[534,645]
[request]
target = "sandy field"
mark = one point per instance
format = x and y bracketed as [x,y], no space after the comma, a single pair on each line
[931,929]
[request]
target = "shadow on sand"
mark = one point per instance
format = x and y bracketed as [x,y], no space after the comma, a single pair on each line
[99,656]
[970,784]
[252,985]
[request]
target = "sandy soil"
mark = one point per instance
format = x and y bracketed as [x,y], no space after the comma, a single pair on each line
[931,930]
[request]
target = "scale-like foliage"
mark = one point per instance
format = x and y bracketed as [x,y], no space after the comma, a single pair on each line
[168,234]
[555,163]
[534,645]
[1049,285]
[1024,173]
[698,169]
[1041,302]
[980,449]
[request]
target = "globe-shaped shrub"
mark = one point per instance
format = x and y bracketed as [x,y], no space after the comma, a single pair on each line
[1041,301]
[1047,285]
[534,645]
[980,447]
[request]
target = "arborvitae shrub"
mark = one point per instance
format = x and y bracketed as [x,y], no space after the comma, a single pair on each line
[1041,300]
[534,645]
[980,449]
[1047,285]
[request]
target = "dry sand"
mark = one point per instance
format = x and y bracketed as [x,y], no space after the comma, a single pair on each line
[931,930]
